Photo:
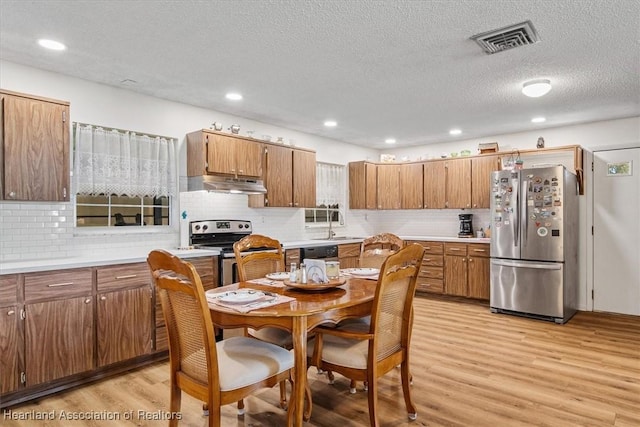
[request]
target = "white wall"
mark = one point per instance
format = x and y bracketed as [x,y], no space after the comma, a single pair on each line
[46,230]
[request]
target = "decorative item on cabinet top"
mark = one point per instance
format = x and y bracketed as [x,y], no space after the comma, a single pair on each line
[488,147]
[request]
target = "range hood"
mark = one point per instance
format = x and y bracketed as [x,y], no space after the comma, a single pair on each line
[223,184]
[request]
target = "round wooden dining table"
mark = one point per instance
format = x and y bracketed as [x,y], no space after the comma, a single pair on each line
[307,310]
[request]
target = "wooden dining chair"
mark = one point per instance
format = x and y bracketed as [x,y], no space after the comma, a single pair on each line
[366,355]
[255,265]
[375,249]
[216,373]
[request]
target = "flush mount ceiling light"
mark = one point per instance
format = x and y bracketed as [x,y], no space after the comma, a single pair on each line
[390,141]
[536,88]
[51,44]
[330,123]
[455,132]
[538,120]
[233,96]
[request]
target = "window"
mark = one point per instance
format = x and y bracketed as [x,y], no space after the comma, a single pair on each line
[330,196]
[112,210]
[122,178]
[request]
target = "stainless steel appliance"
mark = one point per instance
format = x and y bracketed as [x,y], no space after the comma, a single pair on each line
[534,243]
[220,235]
[466,225]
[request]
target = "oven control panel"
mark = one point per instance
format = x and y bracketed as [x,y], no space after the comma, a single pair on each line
[220,226]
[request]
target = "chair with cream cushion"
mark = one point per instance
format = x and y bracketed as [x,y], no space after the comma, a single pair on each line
[365,354]
[255,265]
[216,373]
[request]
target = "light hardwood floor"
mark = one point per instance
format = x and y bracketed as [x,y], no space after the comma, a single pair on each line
[470,368]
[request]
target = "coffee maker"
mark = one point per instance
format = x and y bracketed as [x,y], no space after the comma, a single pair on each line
[466,226]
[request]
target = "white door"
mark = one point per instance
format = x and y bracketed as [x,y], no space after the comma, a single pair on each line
[616,239]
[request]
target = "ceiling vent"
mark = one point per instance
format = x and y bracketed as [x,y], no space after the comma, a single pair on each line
[506,38]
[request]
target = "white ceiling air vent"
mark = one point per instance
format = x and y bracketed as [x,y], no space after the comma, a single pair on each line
[506,38]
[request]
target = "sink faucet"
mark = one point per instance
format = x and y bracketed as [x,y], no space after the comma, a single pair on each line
[332,233]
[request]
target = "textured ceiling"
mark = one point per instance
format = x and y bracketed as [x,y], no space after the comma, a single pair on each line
[402,69]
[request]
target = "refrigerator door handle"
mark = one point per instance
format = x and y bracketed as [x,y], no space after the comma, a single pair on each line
[524,215]
[515,184]
[546,266]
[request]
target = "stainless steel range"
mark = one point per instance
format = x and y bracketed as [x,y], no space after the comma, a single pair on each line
[220,235]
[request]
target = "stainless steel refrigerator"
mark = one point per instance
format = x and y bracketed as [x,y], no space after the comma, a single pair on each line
[534,243]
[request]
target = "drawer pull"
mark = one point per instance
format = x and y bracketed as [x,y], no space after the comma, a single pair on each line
[55,285]
[427,259]
[454,249]
[479,250]
[126,276]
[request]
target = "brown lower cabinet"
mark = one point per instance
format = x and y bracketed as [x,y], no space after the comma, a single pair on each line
[431,275]
[58,325]
[349,255]
[10,334]
[54,325]
[61,328]
[467,269]
[454,268]
[207,268]
[290,256]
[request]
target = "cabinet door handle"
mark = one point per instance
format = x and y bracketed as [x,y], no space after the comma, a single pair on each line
[470,259]
[11,312]
[103,298]
[126,276]
[87,301]
[240,170]
[55,285]
[12,194]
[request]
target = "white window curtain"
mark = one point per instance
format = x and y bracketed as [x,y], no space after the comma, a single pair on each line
[109,161]
[330,184]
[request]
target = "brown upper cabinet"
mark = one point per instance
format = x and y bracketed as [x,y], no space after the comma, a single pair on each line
[411,186]
[289,177]
[363,185]
[454,183]
[34,148]
[447,184]
[211,153]
[388,194]
[458,183]
[434,185]
[481,169]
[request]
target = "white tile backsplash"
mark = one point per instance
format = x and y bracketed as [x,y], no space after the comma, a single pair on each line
[46,230]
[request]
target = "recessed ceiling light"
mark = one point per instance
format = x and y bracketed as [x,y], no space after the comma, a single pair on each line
[455,132]
[538,120]
[330,123]
[390,141]
[536,88]
[233,96]
[51,44]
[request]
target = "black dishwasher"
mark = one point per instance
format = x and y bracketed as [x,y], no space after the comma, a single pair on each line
[325,252]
